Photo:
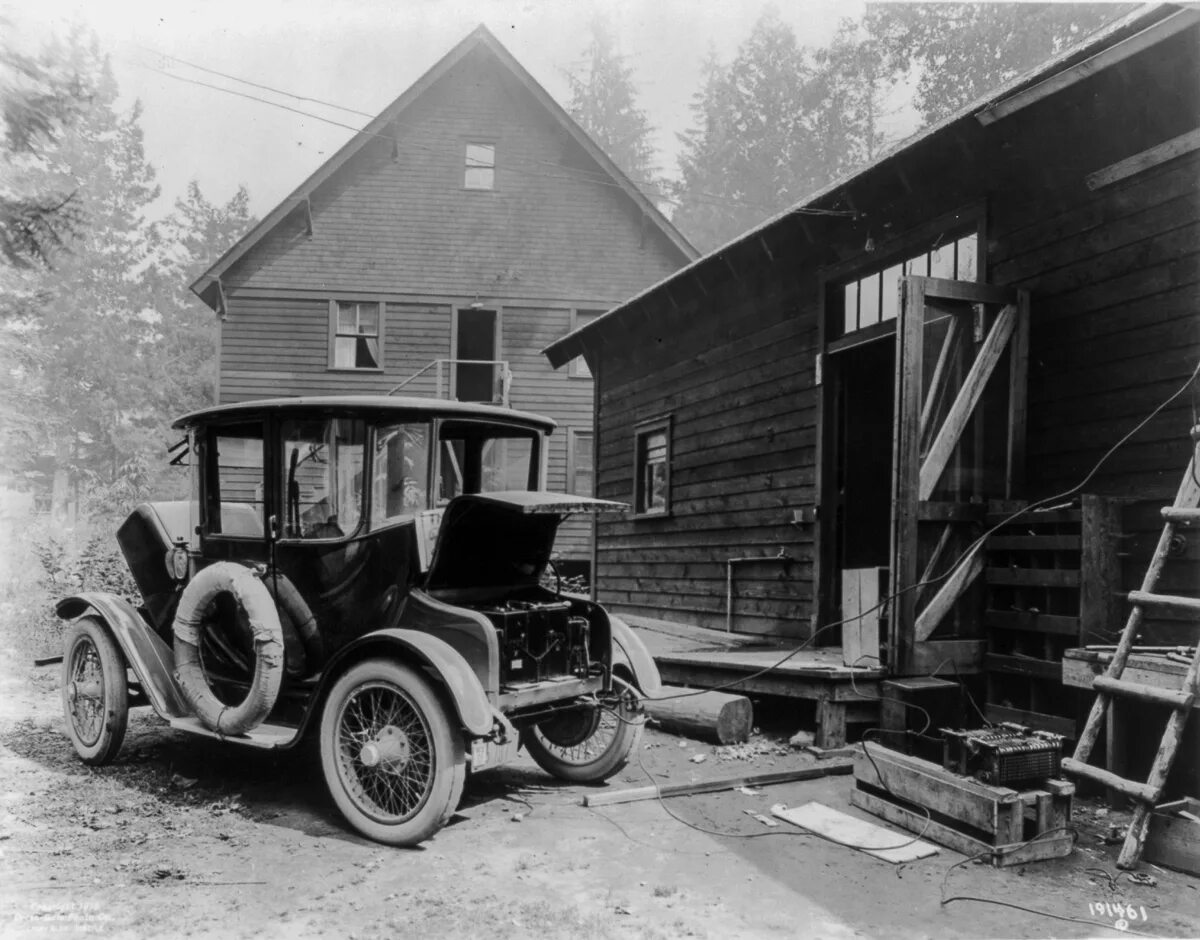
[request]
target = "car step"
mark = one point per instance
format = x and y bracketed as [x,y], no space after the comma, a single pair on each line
[264,736]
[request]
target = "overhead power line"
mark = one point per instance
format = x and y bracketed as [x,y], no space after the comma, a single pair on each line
[561,172]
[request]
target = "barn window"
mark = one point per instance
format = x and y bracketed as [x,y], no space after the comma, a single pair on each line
[356,335]
[875,297]
[480,167]
[580,473]
[579,367]
[652,468]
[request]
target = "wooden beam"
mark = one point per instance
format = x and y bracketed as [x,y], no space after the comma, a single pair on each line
[613,797]
[937,384]
[1052,85]
[972,292]
[1018,398]
[968,398]
[1140,162]
[960,579]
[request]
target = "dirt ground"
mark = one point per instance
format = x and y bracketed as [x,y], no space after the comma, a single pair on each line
[187,837]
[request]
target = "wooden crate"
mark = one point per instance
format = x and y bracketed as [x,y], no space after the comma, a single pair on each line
[1174,840]
[963,814]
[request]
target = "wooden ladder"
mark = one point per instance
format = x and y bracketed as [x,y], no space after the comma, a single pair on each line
[1110,686]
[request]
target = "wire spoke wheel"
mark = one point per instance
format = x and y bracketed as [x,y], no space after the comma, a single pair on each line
[590,743]
[94,692]
[392,762]
[385,754]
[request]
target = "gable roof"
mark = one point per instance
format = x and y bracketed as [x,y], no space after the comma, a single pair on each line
[207,286]
[1144,26]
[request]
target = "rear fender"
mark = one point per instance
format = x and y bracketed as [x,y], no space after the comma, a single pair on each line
[452,671]
[641,663]
[151,660]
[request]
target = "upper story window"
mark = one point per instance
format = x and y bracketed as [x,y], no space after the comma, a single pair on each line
[356,335]
[875,298]
[652,468]
[579,366]
[480,167]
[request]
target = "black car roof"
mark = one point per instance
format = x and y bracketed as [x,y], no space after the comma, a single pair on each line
[375,405]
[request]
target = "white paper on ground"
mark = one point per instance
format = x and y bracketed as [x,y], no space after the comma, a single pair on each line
[894,847]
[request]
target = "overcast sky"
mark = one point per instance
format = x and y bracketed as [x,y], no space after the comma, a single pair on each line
[362,54]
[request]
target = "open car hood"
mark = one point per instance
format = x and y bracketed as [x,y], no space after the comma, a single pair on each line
[503,539]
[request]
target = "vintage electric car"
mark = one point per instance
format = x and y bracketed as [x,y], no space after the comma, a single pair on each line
[375,571]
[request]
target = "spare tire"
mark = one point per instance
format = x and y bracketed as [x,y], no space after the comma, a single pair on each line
[256,603]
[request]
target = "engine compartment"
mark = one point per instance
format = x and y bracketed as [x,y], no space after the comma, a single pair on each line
[539,640]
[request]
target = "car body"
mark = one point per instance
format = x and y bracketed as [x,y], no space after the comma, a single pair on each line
[373,570]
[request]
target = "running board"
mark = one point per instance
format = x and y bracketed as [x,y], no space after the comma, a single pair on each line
[267,737]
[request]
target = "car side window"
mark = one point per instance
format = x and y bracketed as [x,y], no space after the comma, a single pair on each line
[322,477]
[236,506]
[400,480]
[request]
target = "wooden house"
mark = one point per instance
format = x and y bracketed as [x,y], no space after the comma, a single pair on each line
[834,406]
[464,228]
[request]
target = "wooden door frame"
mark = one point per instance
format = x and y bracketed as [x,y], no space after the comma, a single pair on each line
[915,474]
[497,343]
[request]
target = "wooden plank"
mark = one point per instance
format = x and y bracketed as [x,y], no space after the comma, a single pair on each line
[906,471]
[1071,75]
[1034,543]
[925,784]
[1022,666]
[939,382]
[1034,577]
[951,590]
[966,402]
[613,797]
[861,616]
[954,657]
[1140,162]
[1034,622]
[1018,399]
[1174,840]
[972,292]
[855,833]
[1038,720]
[948,512]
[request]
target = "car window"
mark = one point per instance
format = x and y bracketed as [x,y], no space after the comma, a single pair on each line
[400,483]
[482,458]
[237,490]
[322,477]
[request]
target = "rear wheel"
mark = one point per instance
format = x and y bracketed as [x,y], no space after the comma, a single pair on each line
[590,743]
[94,691]
[393,763]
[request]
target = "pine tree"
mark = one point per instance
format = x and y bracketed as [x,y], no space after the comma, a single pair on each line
[604,103]
[963,50]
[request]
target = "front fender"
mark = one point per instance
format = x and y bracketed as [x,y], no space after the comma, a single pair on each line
[467,694]
[151,659]
[641,663]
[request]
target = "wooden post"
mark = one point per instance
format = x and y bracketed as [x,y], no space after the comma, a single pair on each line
[1100,570]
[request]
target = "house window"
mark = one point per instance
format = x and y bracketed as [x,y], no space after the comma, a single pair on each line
[481,167]
[356,340]
[652,468]
[580,471]
[579,366]
[875,297]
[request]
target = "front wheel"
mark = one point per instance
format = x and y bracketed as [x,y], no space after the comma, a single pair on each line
[590,743]
[393,763]
[94,691]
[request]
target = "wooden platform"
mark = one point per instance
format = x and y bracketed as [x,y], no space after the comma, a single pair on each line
[960,812]
[706,659]
[1081,666]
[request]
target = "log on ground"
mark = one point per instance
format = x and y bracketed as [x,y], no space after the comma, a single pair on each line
[713,716]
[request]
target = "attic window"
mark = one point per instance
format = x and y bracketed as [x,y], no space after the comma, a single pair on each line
[480,167]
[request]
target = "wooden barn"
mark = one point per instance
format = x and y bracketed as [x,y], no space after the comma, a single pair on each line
[465,227]
[836,405]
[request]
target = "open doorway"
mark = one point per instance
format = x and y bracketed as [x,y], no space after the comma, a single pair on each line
[475,351]
[862,379]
